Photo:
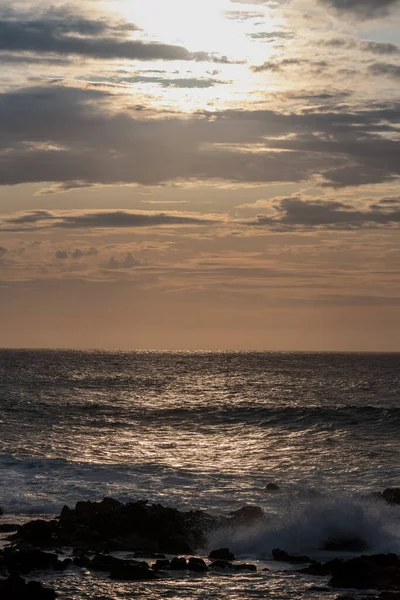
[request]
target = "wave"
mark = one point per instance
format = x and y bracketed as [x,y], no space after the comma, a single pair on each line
[304,528]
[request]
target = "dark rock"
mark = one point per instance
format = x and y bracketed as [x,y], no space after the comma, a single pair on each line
[110,525]
[221,554]
[221,564]
[345,545]
[147,554]
[380,572]
[197,565]
[1,511]
[324,569]
[38,533]
[15,588]
[283,556]
[161,565]
[24,561]
[247,515]
[244,567]
[8,527]
[272,487]
[319,588]
[127,572]
[392,495]
[178,564]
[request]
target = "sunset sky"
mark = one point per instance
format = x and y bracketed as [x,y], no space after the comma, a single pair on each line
[213,174]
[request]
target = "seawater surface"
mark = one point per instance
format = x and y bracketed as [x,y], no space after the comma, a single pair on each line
[208,431]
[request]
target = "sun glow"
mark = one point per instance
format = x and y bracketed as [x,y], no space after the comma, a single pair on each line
[211,25]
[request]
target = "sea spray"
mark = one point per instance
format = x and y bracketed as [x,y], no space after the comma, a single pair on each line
[306,527]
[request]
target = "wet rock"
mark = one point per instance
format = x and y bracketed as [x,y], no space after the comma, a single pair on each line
[380,572]
[244,567]
[272,487]
[110,525]
[197,565]
[345,545]
[247,515]
[8,527]
[161,565]
[38,533]
[25,561]
[392,495]
[220,564]
[127,572]
[221,554]
[283,556]
[322,569]
[16,588]
[178,564]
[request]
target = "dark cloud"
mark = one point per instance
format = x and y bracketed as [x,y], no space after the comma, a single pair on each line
[75,254]
[126,262]
[165,81]
[66,34]
[92,220]
[68,136]
[385,69]
[271,36]
[61,255]
[296,212]
[364,9]
[281,65]
[3,251]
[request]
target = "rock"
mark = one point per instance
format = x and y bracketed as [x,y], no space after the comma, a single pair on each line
[345,545]
[38,533]
[24,561]
[221,554]
[15,588]
[244,567]
[247,515]
[220,564]
[324,569]
[197,565]
[110,525]
[178,564]
[127,572]
[379,571]
[1,511]
[161,565]
[283,556]
[272,487]
[8,527]
[392,495]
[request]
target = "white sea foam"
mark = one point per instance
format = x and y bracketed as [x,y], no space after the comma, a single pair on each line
[305,528]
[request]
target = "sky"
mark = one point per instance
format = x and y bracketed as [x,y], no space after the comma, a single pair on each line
[213,174]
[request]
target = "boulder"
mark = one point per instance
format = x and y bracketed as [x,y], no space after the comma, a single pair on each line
[25,561]
[127,572]
[8,527]
[283,556]
[221,554]
[220,564]
[178,564]
[247,515]
[392,495]
[272,487]
[197,565]
[162,564]
[16,588]
[380,572]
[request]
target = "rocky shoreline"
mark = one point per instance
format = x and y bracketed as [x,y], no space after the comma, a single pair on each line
[150,534]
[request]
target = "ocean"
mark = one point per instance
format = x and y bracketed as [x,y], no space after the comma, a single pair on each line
[206,430]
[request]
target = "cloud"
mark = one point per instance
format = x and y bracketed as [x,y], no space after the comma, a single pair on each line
[3,251]
[64,33]
[127,262]
[94,220]
[385,69]
[74,254]
[61,255]
[296,212]
[75,137]
[364,9]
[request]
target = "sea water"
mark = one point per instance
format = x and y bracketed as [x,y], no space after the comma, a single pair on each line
[207,431]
